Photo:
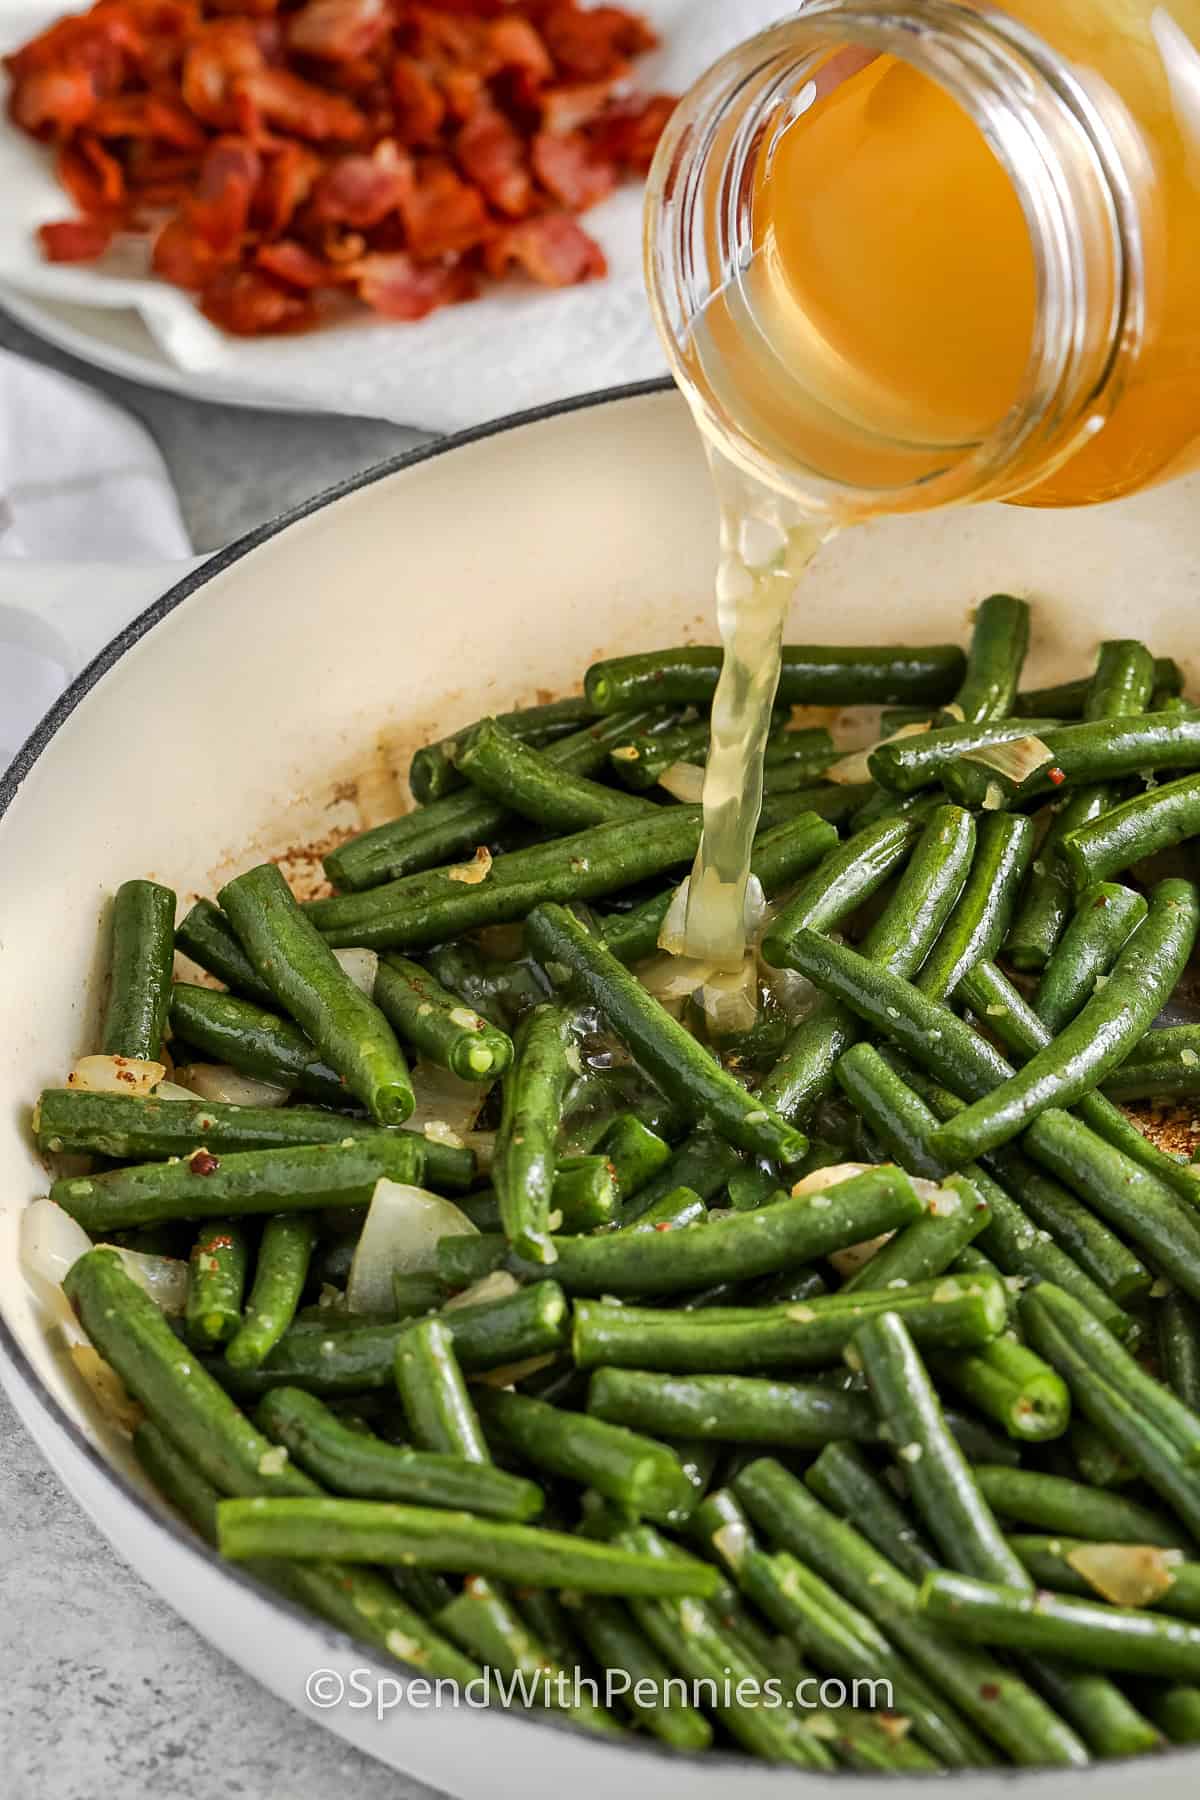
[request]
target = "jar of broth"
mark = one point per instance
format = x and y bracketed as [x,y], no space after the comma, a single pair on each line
[913,254]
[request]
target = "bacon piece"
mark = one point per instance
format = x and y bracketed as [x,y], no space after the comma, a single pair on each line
[289,175]
[393,284]
[442,214]
[515,44]
[596,42]
[223,54]
[250,304]
[219,210]
[494,155]
[571,104]
[294,105]
[148,116]
[361,190]
[628,134]
[553,250]
[53,102]
[181,257]
[94,179]
[339,30]
[291,262]
[569,169]
[76,240]
[420,109]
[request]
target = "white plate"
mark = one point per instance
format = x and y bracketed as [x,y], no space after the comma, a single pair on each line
[226,722]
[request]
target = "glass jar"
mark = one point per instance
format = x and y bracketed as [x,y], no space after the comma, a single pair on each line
[914,254]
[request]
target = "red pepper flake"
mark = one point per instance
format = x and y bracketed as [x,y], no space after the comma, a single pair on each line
[1056,776]
[203,1162]
[989,1691]
[664,1226]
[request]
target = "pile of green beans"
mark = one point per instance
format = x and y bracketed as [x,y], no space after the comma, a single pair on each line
[888,1221]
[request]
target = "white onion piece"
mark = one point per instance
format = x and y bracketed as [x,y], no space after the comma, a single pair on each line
[444,1103]
[684,781]
[115,1075]
[217,1081]
[757,911]
[674,926]
[496,1286]
[855,769]
[792,992]
[1016,760]
[674,977]
[106,1387]
[850,1260]
[399,1237]
[820,1179]
[51,1242]
[483,1146]
[1126,1574]
[164,1278]
[175,1090]
[361,966]
[730,998]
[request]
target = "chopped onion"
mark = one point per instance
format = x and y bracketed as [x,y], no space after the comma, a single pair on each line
[511,1373]
[107,1388]
[473,873]
[730,999]
[496,1286]
[115,1075]
[792,992]
[1016,760]
[399,1236]
[164,1278]
[361,966]
[444,1103]
[684,781]
[674,926]
[174,1090]
[820,1179]
[1125,1574]
[757,912]
[855,769]
[674,977]
[51,1242]
[849,1261]
[217,1081]
[482,1144]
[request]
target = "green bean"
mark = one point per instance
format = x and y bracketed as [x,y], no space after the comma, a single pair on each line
[521,779]
[703,1164]
[999,643]
[849,875]
[374,1531]
[281,1269]
[1097,1040]
[844,1480]
[1106,1637]
[547,1618]
[432,773]
[357,1359]
[1099,1463]
[209,940]
[683,1069]
[812,675]
[1179,1348]
[953,1312]
[128,1128]
[1165,1065]
[363,1467]
[1103,751]
[631,1470]
[546,1058]
[788,1235]
[438,1024]
[1053,1503]
[417,1293]
[990,1695]
[1068,699]
[143,955]
[434,1395]
[638,1674]
[454,825]
[779,857]
[199,1418]
[1156,820]
[1177,1710]
[733,1409]
[1077,1566]
[424,909]
[348,1029]
[979,923]
[216,1282]
[645,757]
[1089,1340]
[902,937]
[205,1186]
[483,1620]
[501,991]
[1105,919]
[682,1206]
[1008,1383]
[634,1152]
[904,765]
[258,1043]
[1048,902]
[175,1476]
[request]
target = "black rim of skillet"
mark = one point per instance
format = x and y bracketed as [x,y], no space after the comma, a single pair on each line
[15,1356]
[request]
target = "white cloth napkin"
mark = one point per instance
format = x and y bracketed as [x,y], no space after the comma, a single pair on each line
[515,347]
[81,485]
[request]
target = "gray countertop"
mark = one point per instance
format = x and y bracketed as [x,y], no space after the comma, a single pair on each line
[104,1693]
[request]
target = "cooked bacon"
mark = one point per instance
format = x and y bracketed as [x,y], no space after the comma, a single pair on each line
[492,152]
[399,288]
[569,169]
[362,190]
[75,240]
[553,250]
[339,30]
[250,304]
[397,150]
